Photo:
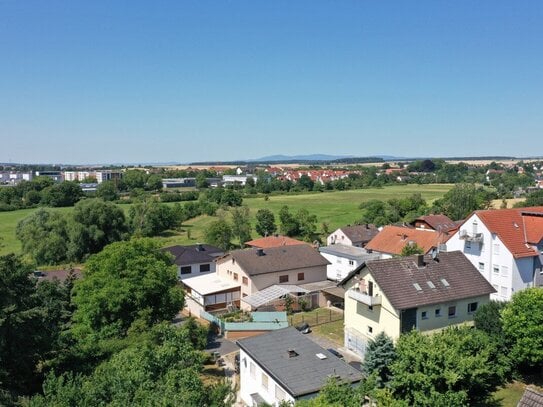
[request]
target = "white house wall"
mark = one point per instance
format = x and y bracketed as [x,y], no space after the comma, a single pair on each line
[195,270]
[338,237]
[339,267]
[252,383]
[513,275]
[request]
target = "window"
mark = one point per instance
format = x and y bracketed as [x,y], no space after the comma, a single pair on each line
[468,244]
[424,315]
[338,260]
[496,270]
[205,267]
[244,295]
[186,269]
[264,381]
[283,279]
[503,291]
[245,280]
[252,370]
[235,276]
[472,307]
[496,247]
[505,271]
[370,330]
[301,276]
[482,267]
[279,393]
[452,311]
[474,227]
[437,312]
[351,263]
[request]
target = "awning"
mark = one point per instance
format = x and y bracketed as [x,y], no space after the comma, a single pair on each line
[272,293]
[335,291]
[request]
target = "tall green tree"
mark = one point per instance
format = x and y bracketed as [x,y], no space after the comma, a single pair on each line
[241,224]
[148,217]
[522,320]
[96,224]
[65,193]
[380,354]
[125,282]
[265,222]
[307,224]
[219,233]
[108,191]
[411,249]
[44,236]
[463,199]
[289,224]
[161,367]
[458,366]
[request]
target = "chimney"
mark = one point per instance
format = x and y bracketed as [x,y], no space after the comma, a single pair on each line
[200,247]
[260,252]
[292,353]
[420,260]
[367,226]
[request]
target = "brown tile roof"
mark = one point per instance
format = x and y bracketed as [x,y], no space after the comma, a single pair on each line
[452,275]
[531,398]
[360,233]
[441,223]
[274,241]
[275,259]
[515,227]
[392,239]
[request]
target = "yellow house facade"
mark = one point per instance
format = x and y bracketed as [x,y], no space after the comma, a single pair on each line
[397,295]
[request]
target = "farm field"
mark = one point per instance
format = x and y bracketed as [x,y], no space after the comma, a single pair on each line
[334,208]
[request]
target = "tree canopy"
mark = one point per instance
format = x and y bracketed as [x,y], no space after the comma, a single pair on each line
[124,282]
[265,222]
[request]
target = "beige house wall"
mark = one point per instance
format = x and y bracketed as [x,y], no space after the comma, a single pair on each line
[228,269]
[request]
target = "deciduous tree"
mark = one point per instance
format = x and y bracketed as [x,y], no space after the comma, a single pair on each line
[265,222]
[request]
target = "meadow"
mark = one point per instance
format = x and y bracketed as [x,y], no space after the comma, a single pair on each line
[336,208]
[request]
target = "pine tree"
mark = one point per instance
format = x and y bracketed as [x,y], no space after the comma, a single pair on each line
[379,356]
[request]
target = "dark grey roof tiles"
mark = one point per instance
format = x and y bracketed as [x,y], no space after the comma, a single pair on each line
[302,374]
[531,398]
[449,277]
[360,233]
[194,254]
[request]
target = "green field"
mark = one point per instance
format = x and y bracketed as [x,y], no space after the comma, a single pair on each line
[336,208]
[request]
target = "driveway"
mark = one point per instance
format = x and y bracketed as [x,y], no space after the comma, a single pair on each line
[220,344]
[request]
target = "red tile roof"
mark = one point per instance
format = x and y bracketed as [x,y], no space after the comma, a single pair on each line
[516,228]
[392,239]
[274,241]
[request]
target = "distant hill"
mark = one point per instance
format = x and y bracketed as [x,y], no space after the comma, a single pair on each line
[309,157]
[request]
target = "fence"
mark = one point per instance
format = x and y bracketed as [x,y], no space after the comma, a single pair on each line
[316,317]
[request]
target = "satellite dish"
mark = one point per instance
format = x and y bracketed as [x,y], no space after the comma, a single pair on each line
[434,253]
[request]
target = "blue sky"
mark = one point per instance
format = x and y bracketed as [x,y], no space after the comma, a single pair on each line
[133,81]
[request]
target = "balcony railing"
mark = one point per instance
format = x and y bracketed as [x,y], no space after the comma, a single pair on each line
[476,237]
[364,298]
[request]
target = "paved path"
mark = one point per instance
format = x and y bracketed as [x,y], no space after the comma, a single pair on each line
[220,344]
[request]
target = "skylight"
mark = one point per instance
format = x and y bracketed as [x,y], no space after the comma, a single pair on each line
[445,282]
[430,284]
[417,287]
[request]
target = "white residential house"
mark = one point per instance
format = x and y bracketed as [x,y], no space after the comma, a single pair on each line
[357,235]
[285,365]
[344,259]
[194,260]
[505,246]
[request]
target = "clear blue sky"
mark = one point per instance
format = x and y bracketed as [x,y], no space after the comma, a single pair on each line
[133,81]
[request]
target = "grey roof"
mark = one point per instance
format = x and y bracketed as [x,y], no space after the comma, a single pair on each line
[450,277]
[194,254]
[360,233]
[531,398]
[349,252]
[300,375]
[275,259]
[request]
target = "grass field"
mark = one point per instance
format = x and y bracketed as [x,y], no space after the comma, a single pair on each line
[336,208]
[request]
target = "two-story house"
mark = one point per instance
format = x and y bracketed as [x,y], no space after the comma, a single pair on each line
[257,269]
[391,240]
[357,235]
[194,260]
[419,292]
[285,365]
[344,259]
[439,223]
[506,247]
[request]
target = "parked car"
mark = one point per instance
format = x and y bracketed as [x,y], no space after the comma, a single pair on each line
[304,328]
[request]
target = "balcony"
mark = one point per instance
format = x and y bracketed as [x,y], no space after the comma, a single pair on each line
[364,298]
[476,237]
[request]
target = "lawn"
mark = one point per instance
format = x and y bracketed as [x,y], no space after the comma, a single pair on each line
[510,395]
[335,208]
[324,322]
